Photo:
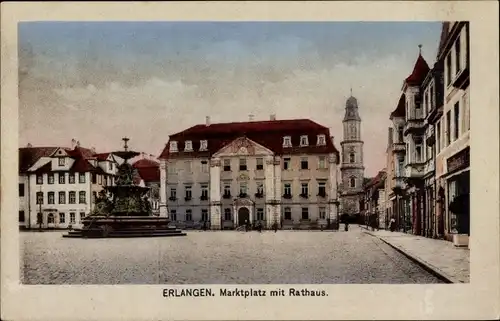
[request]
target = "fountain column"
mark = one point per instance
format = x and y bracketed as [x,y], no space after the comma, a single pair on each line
[332,193]
[215,194]
[270,190]
[163,188]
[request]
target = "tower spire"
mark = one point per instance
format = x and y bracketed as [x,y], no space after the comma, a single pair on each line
[420,49]
[351,91]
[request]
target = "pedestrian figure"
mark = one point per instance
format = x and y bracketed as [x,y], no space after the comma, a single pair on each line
[204,225]
[246,226]
[275,227]
[346,226]
[392,225]
[259,227]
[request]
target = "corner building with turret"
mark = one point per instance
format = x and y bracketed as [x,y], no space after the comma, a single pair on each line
[351,168]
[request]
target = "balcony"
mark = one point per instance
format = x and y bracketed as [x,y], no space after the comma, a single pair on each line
[414,127]
[430,166]
[414,170]
[399,184]
[398,147]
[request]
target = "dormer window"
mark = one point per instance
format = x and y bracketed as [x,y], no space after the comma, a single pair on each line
[61,161]
[188,146]
[173,147]
[287,141]
[321,140]
[304,141]
[203,145]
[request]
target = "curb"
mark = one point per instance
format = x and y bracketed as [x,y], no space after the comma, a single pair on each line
[425,265]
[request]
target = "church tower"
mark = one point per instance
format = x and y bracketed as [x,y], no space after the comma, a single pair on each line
[352,169]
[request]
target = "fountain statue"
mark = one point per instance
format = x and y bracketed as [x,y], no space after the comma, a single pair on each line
[123,209]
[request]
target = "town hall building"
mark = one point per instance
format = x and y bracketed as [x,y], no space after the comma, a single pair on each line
[280,172]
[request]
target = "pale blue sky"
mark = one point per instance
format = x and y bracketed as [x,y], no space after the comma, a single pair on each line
[99,81]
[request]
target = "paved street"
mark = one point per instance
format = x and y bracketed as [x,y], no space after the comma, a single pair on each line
[217,257]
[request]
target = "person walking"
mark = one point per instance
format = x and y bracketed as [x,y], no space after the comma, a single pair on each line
[392,225]
[275,227]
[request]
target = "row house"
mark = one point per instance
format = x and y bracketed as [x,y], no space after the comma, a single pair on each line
[274,172]
[58,186]
[374,201]
[428,152]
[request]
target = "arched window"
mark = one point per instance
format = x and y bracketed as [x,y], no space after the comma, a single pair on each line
[352,182]
[352,158]
[50,218]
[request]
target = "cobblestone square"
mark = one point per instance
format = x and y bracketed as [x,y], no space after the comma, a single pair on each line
[303,257]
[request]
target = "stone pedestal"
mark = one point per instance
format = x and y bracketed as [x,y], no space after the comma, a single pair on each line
[163,189]
[215,194]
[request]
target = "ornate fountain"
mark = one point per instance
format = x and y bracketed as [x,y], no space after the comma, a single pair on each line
[124,210]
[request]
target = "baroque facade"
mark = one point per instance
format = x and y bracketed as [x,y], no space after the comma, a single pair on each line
[352,168]
[280,172]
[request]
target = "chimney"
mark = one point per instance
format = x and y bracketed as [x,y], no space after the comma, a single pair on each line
[250,117]
[207,120]
[391,137]
[29,145]
[333,141]
[73,143]
[273,117]
[78,144]
[93,150]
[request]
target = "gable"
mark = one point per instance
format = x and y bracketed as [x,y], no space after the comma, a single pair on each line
[243,146]
[59,152]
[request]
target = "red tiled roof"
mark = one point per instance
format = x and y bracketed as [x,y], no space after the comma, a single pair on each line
[420,71]
[266,133]
[400,110]
[102,156]
[145,163]
[44,169]
[28,156]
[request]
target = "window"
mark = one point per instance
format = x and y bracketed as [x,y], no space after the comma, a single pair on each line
[204,215]
[286,163]
[260,188]
[50,178]
[203,145]
[188,167]
[426,104]
[110,166]
[227,214]
[287,189]
[81,178]
[71,178]
[21,216]
[99,179]
[227,165]
[321,162]
[188,192]
[173,215]
[400,134]
[81,197]
[418,153]
[305,213]
[39,179]
[243,164]
[61,161]
[456,112]
[304,141]
[465,113]
[288,213]
[448,127]
[322,189]
[438,137]
[352,158]
[304,163]
[287,141]
[243,188]
[352,182]
[62,218]
[304,189]
[72,217]
[189,215]
[260,163]
[457,56]
[188,146]
[94,196]
[50,198]
[21,190]
[448,70]
[50,218]
[204,192]
[322,213]
[204,166]
[94,178]
[321,140]
[62,197]
[82,216]
[173,147]
[39,197]
[260,214]
[62,178]
[227,190]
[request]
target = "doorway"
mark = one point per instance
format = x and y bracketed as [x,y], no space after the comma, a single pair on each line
[243,215]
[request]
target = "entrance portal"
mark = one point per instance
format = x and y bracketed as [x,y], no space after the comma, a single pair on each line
[243,215]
